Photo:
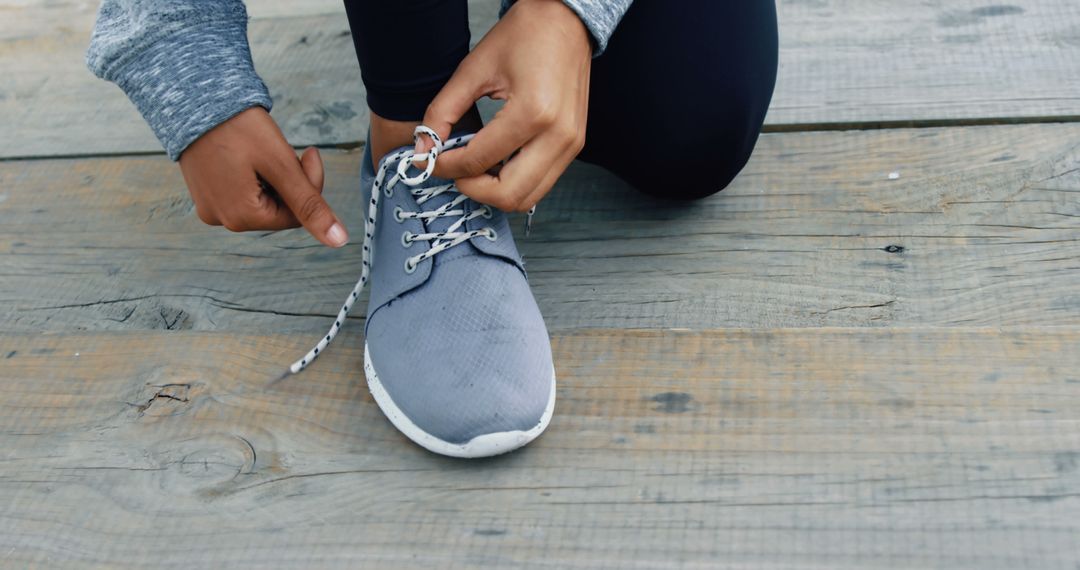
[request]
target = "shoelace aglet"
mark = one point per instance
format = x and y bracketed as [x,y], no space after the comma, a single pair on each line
[528,220]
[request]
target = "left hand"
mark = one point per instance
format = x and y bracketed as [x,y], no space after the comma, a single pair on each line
[538,59]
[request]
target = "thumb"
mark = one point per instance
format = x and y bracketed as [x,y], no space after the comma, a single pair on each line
[294,182]
[455,99]
[312,164]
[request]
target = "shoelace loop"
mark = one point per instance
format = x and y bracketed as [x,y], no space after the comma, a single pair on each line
[430,156]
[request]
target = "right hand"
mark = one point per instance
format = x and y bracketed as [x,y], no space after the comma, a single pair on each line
[225,170]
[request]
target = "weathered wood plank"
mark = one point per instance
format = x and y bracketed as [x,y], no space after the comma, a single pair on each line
[892,61]
[51,105]
[843,62]
[833,448]
[809,235]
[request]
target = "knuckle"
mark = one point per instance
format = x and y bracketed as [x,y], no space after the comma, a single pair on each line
[543,112]
[504,203]
[473,165]
[234,225]
[567,133]
[311,206]
[579,142]
[206,217]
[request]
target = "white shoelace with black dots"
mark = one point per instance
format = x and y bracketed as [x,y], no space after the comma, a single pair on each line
[441,241]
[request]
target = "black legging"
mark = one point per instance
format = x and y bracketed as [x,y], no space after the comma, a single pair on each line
[680,80]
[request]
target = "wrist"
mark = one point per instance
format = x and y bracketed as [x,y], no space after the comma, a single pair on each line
[188,83]
[561,15]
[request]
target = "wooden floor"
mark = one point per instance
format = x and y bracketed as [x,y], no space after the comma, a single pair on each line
[864,354]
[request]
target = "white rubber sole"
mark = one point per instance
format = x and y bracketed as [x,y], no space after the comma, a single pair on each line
[480,446]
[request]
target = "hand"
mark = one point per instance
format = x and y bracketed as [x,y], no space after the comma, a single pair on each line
[243,175]
[538,59]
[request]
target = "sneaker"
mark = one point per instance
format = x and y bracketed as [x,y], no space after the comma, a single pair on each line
[456,353]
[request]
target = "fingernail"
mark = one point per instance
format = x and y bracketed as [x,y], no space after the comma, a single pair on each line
[419,146]
[337,235]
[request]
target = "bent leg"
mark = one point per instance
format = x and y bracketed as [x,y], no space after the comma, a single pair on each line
[407,50]
[677,101]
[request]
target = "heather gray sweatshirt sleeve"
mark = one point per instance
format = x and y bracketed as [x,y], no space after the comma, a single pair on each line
[599,16]
[185,64]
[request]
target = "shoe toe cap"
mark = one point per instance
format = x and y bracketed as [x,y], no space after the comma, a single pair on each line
[465,360]
[506,389]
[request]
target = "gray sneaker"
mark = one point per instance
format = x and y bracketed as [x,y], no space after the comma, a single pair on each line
[457,355]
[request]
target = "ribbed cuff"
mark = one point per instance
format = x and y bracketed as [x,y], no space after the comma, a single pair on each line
[599,16]
[192,80]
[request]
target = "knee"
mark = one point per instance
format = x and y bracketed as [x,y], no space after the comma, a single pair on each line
[695,120]
[695,167]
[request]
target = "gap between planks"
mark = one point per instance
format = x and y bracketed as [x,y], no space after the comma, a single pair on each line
[756,448]
[767,128]
[812,233]
[843,63]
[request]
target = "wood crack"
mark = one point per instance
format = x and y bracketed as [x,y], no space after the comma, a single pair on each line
[849,307]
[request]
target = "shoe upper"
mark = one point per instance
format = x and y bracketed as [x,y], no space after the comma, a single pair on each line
[459,343]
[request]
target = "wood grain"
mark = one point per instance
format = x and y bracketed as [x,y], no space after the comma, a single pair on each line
[842,63]
[892,62]
[808,448]
[710,412]
[51,105]
[980,228]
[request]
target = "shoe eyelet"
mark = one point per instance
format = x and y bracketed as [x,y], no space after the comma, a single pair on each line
[491,234]
[487,213]
[388,192]
[410,267]
[407,239]
[398,212]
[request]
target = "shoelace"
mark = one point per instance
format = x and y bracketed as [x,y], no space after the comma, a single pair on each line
[441,241]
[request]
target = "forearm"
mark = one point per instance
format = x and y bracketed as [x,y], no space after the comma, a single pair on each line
[184,64]
[599,16]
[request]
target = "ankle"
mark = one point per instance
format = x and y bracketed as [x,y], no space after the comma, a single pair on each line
[387,134]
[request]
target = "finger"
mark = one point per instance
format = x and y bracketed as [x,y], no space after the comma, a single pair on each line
[206,216]
[518,179]
[466,85]
[257,207]
[220,194]
[511,128]
[273,214]
[290,180]
[556,171]
[547,183]
[311,162]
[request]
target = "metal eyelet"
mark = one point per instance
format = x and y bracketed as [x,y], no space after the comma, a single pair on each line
[487,213]
[407,239]
[491,234]
[388,191]
[410,267]
[398,214]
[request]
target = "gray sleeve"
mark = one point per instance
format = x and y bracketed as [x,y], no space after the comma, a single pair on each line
[599,16]
[185,64]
